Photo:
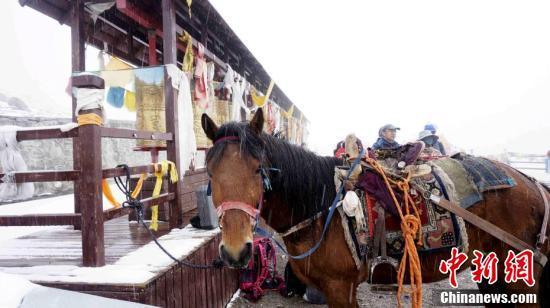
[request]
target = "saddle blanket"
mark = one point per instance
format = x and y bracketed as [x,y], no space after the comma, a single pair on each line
[485,173]
[472,176]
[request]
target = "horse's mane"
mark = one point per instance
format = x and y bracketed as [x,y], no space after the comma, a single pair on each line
[305,181]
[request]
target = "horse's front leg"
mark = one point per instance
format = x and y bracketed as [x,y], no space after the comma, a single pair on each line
[340,293]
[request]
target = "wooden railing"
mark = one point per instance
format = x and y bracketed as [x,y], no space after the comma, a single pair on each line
[87,175]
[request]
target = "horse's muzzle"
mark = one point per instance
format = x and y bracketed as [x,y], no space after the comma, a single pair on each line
[239,260]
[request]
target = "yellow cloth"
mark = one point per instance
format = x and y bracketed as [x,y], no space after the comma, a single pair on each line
[130,101]
[189,2]
[161,171]
[187,65]
[117,73]
[288,114]
[89,119]
[258,100]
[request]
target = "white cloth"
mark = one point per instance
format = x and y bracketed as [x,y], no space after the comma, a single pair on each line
[229,79]
[237,101]
[87,99]
[352,207]
[175,75]
[188,142]
[98,8]
[11,160]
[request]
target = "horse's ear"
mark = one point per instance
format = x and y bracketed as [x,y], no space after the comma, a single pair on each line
[210,128]
[257,123]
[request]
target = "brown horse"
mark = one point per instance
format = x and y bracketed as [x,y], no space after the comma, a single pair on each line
[305,186]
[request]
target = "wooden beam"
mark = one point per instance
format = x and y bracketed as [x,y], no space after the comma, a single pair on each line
[39,220]
[147,202]
[134,134]
[172,121]
[44,7]
[48,133]
[43,176]
[111,173]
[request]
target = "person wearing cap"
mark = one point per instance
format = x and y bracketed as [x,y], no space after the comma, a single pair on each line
[437,144]
[386,138]
[429,139]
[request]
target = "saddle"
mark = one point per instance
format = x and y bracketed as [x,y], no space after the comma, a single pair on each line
[374,221]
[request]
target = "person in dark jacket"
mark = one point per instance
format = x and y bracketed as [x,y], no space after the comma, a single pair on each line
[437,144]
[386,138]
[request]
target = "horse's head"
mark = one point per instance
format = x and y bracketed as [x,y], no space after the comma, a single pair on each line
[234,165]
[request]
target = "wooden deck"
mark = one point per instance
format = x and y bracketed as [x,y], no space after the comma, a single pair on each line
[63,246]
[44,257]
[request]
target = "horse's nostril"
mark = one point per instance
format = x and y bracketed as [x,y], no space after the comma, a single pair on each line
[246,253]
[223,252]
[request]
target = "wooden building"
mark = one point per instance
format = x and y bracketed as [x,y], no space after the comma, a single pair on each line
[143,33]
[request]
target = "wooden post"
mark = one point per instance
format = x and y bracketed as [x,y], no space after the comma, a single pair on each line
[90,196]
[78,65]
[152,37]
[172,147]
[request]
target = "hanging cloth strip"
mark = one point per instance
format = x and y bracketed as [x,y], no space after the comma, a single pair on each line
[201,79]
[189,2]
[161,170]
[237,89]
[130,101]
[187,65]
[258,100]
[288,114]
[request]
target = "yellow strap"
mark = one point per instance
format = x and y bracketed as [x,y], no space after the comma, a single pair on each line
[109,194]
[161,169]
[89,119]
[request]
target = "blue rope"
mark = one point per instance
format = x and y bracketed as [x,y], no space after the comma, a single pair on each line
[332,209]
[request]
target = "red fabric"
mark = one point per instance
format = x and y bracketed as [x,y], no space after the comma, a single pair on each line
[257,278]
[340,152]
[393,223]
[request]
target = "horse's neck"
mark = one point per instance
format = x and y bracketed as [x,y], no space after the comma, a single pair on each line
[304,187]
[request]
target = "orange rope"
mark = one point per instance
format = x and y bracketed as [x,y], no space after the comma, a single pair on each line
[109,194]
[410,226]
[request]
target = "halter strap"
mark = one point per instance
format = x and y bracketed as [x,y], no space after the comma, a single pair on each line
[230,138]
[237,205]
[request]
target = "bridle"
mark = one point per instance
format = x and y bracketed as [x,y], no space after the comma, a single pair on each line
[252,211]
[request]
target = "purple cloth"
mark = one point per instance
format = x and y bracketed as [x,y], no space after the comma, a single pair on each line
[374,185]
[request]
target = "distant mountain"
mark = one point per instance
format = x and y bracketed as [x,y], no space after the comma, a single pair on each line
[13,106]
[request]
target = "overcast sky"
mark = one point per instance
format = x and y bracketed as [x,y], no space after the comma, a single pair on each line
[480,70]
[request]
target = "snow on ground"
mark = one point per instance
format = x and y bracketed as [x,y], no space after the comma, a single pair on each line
[17,287]
[134,268]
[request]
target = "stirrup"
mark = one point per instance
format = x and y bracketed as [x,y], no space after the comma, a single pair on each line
[383,262]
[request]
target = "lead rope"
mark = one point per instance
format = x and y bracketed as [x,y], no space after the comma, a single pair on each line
[135,204]
[410,226]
